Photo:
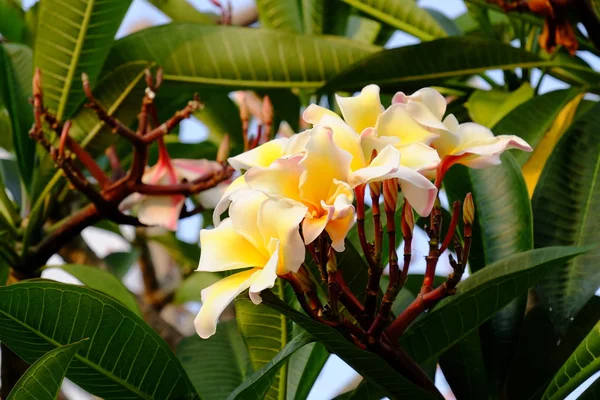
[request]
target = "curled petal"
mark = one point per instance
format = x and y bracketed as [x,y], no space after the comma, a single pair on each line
[218,296]
[397,122]
[386,162]
[261,156]
[265,279]
[419,157]
[432,102]
[487,155]
[237,188]
[280,179]
[417,189]
[314,225]
[160,210]
[361,111]
[195,169]
[338,229]
[314,113]
[223,248]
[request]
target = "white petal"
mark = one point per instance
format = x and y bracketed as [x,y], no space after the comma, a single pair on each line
[397,122]
[417,189]
[218,296]
[237,188]
[244,215]
[261,156]
[314,113]
[386,162]
[160,211]
[222,249]
[419,157]
[361,111]
[265,279]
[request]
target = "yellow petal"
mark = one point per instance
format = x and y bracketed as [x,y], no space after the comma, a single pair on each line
[397,122]
[417,189]
[261,156]
[236,188]
[386,162]
[314,113]
[222,249]
[244,215]
[361,111]
[419,157]
[281,179]
[218,296]
[427,106]
[265,278]
[338,230]
[313,226]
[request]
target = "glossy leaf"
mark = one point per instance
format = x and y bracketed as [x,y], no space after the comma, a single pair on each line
[123,358]
[364,391]
[74,37]
[583,363]
[183,11]
[405,15]
[119,262]
[12,23]
[284,15]
[565,201]
[15,68]
[479,297]
[257,385]
[266,332]
[455,57]
[304,366]
[235,57]
[217,365]
[104,282]
[43,379]
[369,365]
[487,107]
[313,15]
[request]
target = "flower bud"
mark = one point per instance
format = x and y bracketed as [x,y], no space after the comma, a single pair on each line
[37,82]
[390,195]
[468,209]
[408,220]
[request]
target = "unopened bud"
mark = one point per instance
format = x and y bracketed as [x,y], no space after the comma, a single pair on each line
[267,111]
[375,188]
[85,79]
[244,114]
[159,77]
[468,210]
[390,195]
[37,82]
[331,261]
[223,152]
[408,220]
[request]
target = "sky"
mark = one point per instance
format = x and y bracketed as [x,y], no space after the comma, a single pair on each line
[336,374]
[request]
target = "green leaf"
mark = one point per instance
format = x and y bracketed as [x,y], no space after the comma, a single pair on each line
[190,288]
[257,385]
[119,262]
[266,332]
[365,391]
[104,282]
[74,37]
[479,297]
[216,366]
[487,107]
[583,363]
[405,15]
[362,29]
[12,23]
[284,15]
[454,57]
[313,15]
[123,358]
[369,365]
[221,116]
[541,352]
[532,119]
[15,67]
[43,379]
[179,149]
[235,57]
[186,255]
[304,367]
[183,11]
[565,200]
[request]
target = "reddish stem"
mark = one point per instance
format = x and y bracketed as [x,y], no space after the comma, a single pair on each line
[451,227]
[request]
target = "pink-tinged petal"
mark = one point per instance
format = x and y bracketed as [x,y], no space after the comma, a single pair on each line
[244,215]
[191,170]
[313,226]
[297,143]
[314,113]
[160,211]
[397,122]
[280,219]
[361,111]
[489,154]
[419,157]
[417,189]
[223,249]
[261,156]
[431,99]
[385,163]
[266,278]
[338,229]
[217,297]
[345,138]
[158,174]
[323,163]
[280,179]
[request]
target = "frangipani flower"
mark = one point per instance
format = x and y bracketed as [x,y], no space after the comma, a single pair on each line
[472,145]
[317,180]
[165,210]
[261,237]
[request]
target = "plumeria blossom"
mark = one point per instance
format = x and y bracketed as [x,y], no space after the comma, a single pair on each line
[165,210]
[316,179]
[261,238]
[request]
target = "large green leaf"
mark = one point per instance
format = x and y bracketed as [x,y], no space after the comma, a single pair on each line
[454,57]
[235,57]
[364,391]
[42,380]
[369,365]
[104,282]
[479,297]
[405,15]
[541,352]
[284,15]
[74,37]
[257,385]
[216,366]
[266,332]
[313,15]
[12,23]
[124,357]
[487,107]
[565,202]
[183,11]
[304,367]
[532,119]
[583,363]
[15,69]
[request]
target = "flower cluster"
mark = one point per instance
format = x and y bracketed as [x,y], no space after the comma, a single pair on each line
[295,190]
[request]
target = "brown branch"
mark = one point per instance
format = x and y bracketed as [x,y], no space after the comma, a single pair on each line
[434,254]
